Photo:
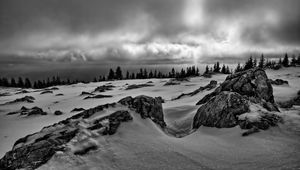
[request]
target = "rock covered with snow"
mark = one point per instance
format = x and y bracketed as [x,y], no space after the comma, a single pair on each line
[253,84]
[36,149]
[147,107]
[24,111]
[221,111]
[223,107]
[278,82]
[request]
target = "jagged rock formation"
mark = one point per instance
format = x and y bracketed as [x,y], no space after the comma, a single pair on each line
[212,84]
[36,149]
[223,107]
[221,111]
[29,111]
[147,107]
[253,84]
[278,82]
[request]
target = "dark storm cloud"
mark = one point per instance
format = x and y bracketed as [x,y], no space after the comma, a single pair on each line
[165,29]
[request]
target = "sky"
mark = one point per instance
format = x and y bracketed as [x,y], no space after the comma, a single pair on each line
[154,31]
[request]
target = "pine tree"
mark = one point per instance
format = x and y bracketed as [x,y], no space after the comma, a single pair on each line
[249,64]
[127,75]
[255,62]
[206,70]
[27,83]
[294,61]
[119,74]
[223,70]
[261,63]
[111,75]
[285,61]
[13,82]
[238,68]
[20,82]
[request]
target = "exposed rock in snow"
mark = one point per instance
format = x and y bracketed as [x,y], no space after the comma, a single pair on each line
[58,112]
[77,109]
[221,111]
[28,99]
[278,82]
[176,81]
[253,84]
[22,92]
[212,84]
[46,92]
[99,96]
[86,93]
[59,94]
[147,107]
[104,88]
[136,86]
[28,112]
[224,107]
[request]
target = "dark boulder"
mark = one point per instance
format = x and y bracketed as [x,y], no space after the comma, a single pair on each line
[58,112]
[253,84]
[46,92]
[104,88]
[278,82]
[78,109]
[99,96]
[221,111]
[147,107]
[86,93]
[137,86]
[28,99]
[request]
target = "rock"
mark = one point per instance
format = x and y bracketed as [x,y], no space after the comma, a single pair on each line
[28,99]
[22,92]
[59,94]
[278,82]
[99,96]
[250,131]
[263,122]
[147,107]
[136,86]
[104,88]
[57,112]
[46,92]
[253,84]
[212,84]
[78,109]
[28,112]
[86,93]
[221,111]
[32,155]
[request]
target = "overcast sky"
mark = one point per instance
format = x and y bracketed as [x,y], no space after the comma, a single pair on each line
[148,29]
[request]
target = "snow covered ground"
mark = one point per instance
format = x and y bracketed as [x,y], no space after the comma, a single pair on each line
[142,145]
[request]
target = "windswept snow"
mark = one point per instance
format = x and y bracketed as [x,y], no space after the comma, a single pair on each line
[140,144]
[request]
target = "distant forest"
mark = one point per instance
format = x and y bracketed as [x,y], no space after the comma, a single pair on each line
[192,71]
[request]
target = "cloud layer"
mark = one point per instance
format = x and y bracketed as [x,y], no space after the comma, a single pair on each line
[148,29]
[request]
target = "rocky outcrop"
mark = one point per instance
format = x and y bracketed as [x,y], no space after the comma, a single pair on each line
[32,151]
[278,82]
[86,93]
[29,111]
[290,103]
[28,99]
[253,84]
[147,107]
[212,84]
[104,88]
[223,107]
[136,86]
[176,81]
[58,112]
[221,111]
[77,109]
[99,96]
[46,92]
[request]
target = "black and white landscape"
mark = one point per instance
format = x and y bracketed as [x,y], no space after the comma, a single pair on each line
[149,84]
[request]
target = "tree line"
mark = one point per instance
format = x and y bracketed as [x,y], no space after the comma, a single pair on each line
[271,64]
[117,74]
